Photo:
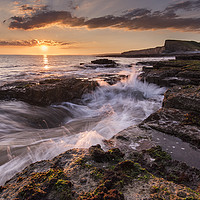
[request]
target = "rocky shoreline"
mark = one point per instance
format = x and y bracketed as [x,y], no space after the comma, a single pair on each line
[130,165]
[180,113]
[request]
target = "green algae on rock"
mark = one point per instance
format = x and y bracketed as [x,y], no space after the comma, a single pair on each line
[76,175]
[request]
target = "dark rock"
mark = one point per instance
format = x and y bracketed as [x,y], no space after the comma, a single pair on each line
[83,180]
[180,115]
[169,64]
[181,46]
[64,178]
[98,155]
[172,73]
[181,194]
[163,78]
[183,97]
[114,154]
[182,124]
[130,168]
[188,57]
[112,79]
[120,137]
[170,47]
[164,166]
[48,91]
[46,185]
[103,62]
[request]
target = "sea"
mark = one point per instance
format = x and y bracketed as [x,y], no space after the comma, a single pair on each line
[30,133]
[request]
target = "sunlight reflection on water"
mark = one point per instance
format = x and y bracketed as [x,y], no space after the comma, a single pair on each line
[45,62]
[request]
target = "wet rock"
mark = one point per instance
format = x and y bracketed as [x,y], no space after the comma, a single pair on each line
[172,73]
[182,124]
[188,57]
[141,149]
[183,97]
[112,79]
[180,115]
[71,175]
[162,165]
[48,91]
[83,180]
[102,63]
[181,194]
[121,137]
[50,185]
[147,63]
[99,155]
[181,105]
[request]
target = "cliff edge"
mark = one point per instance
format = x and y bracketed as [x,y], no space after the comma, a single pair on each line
[170,46]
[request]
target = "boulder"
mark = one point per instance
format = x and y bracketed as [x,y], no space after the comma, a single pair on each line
[112,79]
[102,63]
[48,91]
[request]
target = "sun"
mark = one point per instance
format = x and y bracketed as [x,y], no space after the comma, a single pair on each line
[44,48]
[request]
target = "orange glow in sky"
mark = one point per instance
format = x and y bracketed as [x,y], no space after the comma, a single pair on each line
[44,48]
[85,28]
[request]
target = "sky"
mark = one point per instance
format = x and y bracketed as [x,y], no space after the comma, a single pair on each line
[83,27]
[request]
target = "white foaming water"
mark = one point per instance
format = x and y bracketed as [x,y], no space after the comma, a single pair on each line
[103,114]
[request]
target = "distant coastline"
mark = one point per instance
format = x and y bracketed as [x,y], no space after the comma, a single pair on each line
[170,48]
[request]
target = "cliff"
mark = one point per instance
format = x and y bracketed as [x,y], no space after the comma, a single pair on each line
[156,50]
[170,46]
[180,45]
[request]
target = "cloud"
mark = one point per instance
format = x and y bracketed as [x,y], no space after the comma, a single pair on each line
[186,5]
[43,19]
[134,19]
[34,42]
[136,12]
[26,7]
[33,8]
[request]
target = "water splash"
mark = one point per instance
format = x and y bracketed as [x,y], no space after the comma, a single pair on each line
[107,111]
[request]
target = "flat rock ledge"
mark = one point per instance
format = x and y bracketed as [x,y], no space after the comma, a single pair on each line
[172,73]
[95,174]
[179,115]
[180,112]
[48,91]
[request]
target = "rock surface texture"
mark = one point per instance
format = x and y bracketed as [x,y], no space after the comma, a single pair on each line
[48,91]
[102,63]
[93,174]
[180,113]
[172,73]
